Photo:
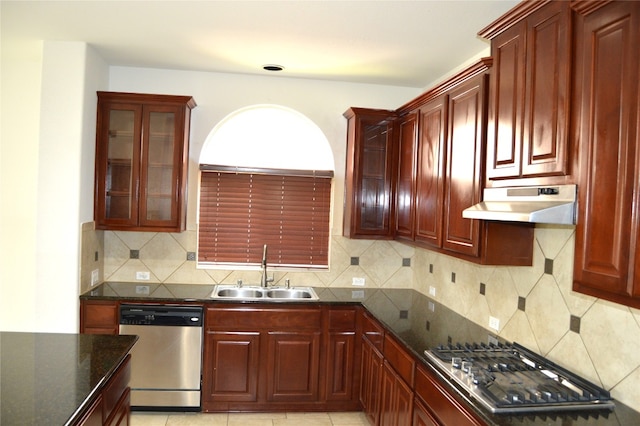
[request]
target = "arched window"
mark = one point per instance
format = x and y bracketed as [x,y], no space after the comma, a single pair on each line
[265,178]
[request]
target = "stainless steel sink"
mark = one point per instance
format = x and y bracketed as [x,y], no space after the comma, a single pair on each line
[273,294]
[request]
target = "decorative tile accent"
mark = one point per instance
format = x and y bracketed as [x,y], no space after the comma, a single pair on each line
[191,256]
[453,277]
[134,254]
[483,288]
[431,268]
[548,266]
[406,261]
[404,314]
[574,324]
[95,256]
[428,326]
[522,302]
[355,261]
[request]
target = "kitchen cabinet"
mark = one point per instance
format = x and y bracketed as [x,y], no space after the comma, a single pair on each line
[442,166]
[429,200]
[437,405]
[341,355]
[142,150]
[607,254]
[396,408]
[530,93]
[371,368]
[99,317]
[369,174]
[112,406]
[405,188]
[266,357]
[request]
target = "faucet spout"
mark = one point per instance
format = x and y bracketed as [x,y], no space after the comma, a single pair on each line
[264,281]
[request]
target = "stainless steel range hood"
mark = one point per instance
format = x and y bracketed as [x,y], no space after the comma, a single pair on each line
[554,204]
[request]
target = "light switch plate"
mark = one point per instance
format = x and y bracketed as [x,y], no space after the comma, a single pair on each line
[143,275]
[494,323]
[357,281]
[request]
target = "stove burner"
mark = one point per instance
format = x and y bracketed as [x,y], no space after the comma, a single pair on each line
[510,378]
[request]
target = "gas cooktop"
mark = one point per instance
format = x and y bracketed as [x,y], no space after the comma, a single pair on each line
[508,378]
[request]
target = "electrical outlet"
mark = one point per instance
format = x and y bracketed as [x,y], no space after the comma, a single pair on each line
[494,323]
[357,294]
[432,306]
[95,277]
[357,281]
[142,289]
[432,291]
[143,275]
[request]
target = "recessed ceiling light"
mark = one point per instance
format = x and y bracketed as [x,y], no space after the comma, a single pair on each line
[272,67]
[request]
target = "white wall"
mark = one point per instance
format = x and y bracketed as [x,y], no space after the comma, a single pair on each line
[21,67]
[51,167]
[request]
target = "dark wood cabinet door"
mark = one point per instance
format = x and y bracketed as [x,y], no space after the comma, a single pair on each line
[506,105]
[545,147]
[293,366]
[370,381]
[396,406]
[464,165]
[430,172]
[369,173]
[421,415]
[530,95]
[340,360]
[407,137]
[231,365]
[608,231]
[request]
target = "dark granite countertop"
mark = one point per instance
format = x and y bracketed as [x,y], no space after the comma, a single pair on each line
[416,320]
[51,379]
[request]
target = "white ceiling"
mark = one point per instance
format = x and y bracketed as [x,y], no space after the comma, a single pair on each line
[403,43]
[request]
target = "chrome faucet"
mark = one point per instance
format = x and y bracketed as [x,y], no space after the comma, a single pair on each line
[264,281]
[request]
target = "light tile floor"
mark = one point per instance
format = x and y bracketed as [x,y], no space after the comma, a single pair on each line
[248,419]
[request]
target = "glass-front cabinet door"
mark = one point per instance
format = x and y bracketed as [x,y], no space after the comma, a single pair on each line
[141,161]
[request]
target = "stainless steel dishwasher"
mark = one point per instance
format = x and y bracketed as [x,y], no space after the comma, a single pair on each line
[166,361]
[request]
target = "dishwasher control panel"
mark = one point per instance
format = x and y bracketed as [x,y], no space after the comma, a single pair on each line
[184,316]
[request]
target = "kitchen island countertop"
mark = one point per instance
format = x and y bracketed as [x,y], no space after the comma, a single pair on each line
[51,379]
[414,319]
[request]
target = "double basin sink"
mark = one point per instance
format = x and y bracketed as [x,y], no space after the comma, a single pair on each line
[275,294]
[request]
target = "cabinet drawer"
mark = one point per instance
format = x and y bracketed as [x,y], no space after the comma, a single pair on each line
[243,318]
[399,359]
[373,331]
[342,320]
[99,317]
[440,402]
[117,386]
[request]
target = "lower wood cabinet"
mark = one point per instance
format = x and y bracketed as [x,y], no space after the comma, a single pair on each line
[421,415]
[99,317]
[396,407]
[437,405]
[112,406]
[370,380]
[266,357]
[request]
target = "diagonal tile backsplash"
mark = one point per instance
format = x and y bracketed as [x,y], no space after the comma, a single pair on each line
[535,306]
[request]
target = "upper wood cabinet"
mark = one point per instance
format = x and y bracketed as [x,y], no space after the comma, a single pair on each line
[607,117]
[369,173]
[530,95]
[142,150]
[406,183]
[441,173]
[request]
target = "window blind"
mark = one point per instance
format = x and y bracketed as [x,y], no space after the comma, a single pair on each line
[242,211]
